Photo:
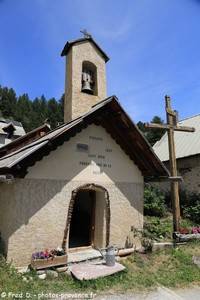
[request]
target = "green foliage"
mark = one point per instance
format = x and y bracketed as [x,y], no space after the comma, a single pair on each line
[189,204]
[32,114]
[154,202]
[147,243]
[186,223]
[152,134]
[8,102]
[191,207]
[157,229]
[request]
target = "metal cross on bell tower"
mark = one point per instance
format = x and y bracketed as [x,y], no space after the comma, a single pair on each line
[172,126]
[86,34]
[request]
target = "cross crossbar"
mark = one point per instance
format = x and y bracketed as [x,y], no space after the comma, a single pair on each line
[167,127]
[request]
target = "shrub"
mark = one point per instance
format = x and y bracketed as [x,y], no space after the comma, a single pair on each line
[191,207]
[157,229]
[147,243]
[154,201]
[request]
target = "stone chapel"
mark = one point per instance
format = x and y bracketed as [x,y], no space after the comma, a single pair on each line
[80,185]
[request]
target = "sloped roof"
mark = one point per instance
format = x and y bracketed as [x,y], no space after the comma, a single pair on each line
[24,140]
[186,143]
[19,130]
[69,44]
[107,113]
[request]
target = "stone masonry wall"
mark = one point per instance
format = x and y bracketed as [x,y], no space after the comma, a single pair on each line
[189,169]
[76,102]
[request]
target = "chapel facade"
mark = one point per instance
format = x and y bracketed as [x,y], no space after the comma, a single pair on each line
[81,184]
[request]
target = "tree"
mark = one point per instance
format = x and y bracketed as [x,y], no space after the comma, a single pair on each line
[152,135]
[155,135]
[40,111]
[24,111]
[53,113]
[8,101]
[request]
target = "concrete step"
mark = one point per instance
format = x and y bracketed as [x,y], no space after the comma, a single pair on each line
[84,256]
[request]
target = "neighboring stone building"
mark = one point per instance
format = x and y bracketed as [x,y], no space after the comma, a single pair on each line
[187,147]
[9,131]
[80,184]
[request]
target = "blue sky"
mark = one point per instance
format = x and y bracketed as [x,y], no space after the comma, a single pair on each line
[153,45]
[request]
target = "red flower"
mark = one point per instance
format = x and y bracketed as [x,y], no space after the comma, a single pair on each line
[184,230]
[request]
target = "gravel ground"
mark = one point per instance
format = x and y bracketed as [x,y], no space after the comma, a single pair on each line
[161,293]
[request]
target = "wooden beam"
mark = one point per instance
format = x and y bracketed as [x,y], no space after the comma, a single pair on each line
[171,112]
[184,128]
[167,127]
[177,178]
[156,125]
[173,166]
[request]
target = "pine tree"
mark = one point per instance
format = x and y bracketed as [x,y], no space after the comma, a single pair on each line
[152,135]
[8,101]
[24,111]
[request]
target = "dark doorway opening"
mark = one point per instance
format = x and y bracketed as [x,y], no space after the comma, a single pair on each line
[82,222]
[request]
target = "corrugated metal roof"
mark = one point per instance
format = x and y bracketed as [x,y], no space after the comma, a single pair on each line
[186,143]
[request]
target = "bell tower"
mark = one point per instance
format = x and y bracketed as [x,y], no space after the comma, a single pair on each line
[85,78]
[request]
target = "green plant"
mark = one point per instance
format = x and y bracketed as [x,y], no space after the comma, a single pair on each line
[147,243]
[157,229]
[191,207]
[154,201]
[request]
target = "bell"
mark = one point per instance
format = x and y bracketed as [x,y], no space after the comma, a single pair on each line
[87,82]
[86,87]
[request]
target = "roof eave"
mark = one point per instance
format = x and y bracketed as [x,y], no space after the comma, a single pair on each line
[68,46]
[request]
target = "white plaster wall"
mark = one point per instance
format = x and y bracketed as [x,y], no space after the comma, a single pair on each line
[66,162]
[100,220]
[33,211]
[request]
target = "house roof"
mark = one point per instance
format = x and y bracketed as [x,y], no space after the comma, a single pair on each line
[24,140]
[107,113]
[186,143]
[19,130]
[69,44]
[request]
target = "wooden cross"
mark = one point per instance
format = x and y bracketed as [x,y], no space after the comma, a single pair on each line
[86,34]
[172,126]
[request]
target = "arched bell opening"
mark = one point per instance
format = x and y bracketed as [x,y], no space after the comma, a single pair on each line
[89,78]
[88,219]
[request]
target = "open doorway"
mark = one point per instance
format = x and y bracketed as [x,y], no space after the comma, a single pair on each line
[82,223]
[88,218]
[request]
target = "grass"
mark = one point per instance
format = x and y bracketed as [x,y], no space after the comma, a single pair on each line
[170,268]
